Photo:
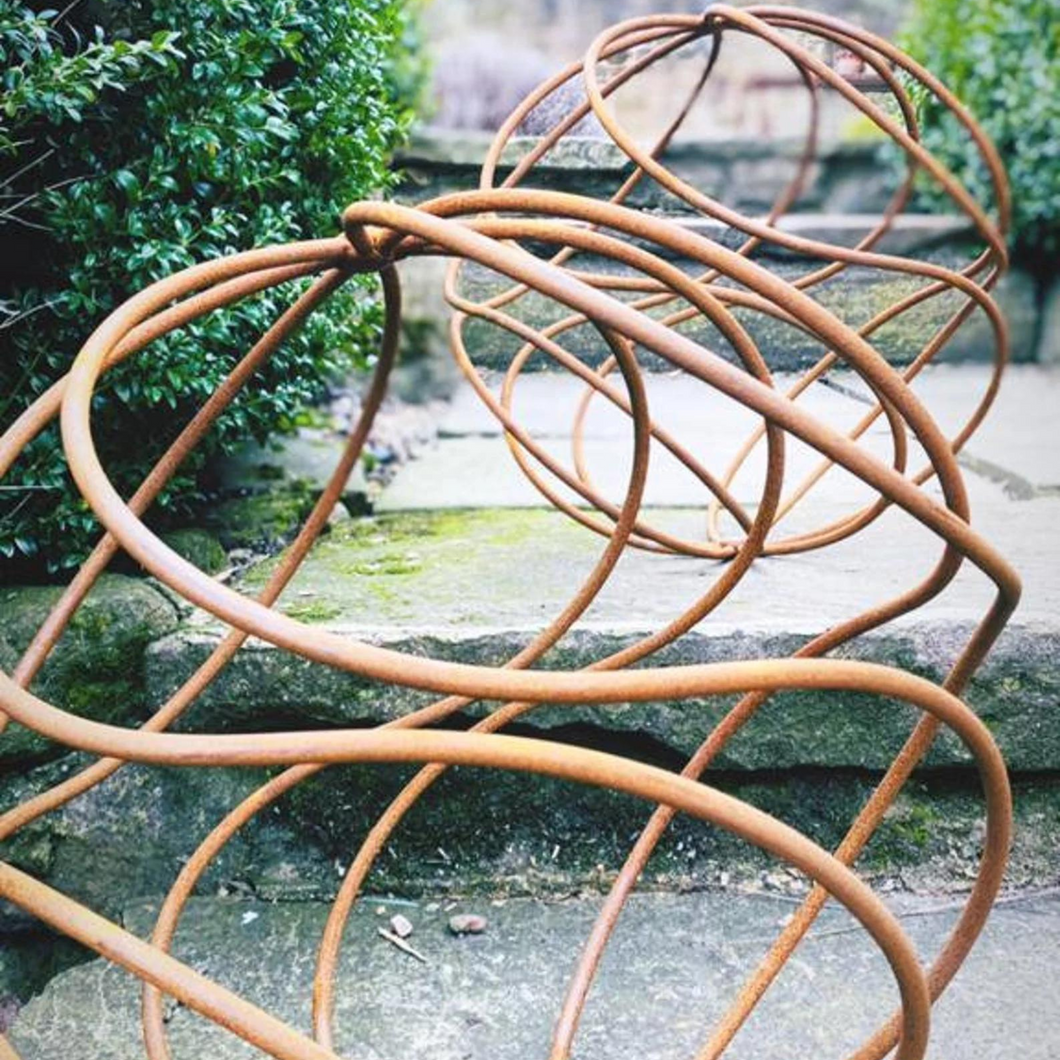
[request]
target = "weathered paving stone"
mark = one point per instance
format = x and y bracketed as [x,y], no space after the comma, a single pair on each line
[470,465]
[496,995]
[850,177]
[129,834]
[1015,693]
[491,833]
[483,836]
[855,295]
[743,174]
[96,668]
[456,585]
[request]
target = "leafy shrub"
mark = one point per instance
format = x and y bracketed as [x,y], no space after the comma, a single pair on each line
[139,138]
[1001,58]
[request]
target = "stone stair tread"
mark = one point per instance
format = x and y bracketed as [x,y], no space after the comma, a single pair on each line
[460,529]
[464,573]
[475,584]
[911,234]
[495,995]
[1014,448]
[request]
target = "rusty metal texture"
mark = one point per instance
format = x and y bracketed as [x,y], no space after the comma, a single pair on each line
[634,304]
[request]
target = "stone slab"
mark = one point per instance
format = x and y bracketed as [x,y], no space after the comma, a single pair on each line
[475,584]
[95,669]
[855,296]
[454,585]
[468,572]
[486,834]
[747,174]
[1016,692]
[672,966]
[1015,455]
[456,582]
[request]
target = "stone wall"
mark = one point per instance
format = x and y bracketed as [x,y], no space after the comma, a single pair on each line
[849,186]
[487,54]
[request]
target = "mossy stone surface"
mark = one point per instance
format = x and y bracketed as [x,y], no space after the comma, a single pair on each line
[264,520]
[491,833]
[747,175]
[1015,694]
[476,586]
[96,669]
[199,547]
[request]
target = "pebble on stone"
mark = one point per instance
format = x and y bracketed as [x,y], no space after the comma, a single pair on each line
[401,926]
[467,924]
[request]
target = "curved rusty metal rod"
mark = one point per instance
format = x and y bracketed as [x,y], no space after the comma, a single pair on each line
[780,206]
[968,927]
[184,885]
[501,752]
[835,30]
[595,383]
[38,650]
[971,426]
[341,478]
[484,311]
[43,410]
[595,380]
[491,227]
[678,239]
[786,197]
[861,519]
[582,236]
[520,444]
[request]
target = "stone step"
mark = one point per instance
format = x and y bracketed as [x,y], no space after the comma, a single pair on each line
[848,189]
[1010,458]
[673,965]
[855,296]
[129,836]
[747,175]
[428,577]
[454,585]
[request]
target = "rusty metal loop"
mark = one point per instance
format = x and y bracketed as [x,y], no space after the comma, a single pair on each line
[683,29]
[610,270]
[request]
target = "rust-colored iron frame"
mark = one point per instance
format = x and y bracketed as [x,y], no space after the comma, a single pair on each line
[490,227]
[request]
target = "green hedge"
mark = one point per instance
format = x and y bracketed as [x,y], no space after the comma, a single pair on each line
[141,137]
[1002,59]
